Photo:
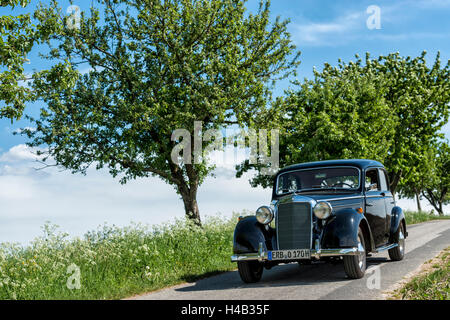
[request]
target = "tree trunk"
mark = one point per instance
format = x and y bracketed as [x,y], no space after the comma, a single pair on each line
[187,188]
[419,207]
[433,200]
[394,178]
[191,207]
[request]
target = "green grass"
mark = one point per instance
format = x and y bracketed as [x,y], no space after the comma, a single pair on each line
[434,285]
[120,262]
[413,217]
[115,262]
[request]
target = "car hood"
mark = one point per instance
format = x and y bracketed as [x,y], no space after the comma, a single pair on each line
[300,197]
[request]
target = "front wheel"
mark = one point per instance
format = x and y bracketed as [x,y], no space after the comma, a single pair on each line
[250,271]
[355,266]
[397,253]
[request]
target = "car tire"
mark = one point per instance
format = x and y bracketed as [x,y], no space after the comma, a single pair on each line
[398,253]
[250,271]
[355,266]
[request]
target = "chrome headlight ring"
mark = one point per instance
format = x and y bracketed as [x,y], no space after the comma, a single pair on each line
[264,214]
[322,209]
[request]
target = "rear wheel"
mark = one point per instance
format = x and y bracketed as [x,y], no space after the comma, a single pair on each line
[398,252]
[250,271]
[355,266]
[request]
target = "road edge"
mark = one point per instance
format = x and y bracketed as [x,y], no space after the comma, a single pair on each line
[423,269]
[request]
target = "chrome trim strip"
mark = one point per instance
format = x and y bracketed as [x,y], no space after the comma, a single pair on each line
[343,198]
[314,168]
[384,248]
[276,226]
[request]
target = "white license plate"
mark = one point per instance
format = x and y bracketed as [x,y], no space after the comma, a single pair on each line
[293,254]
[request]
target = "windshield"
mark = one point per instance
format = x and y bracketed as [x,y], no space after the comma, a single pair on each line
[342,178]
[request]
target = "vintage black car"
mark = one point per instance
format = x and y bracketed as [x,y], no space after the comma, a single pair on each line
[325,210]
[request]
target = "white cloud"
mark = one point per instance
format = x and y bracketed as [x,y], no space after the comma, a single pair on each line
[430,4]
[328,33]
[28,79]
[446,130]
[20,152]
[29,198]
[351,25]
[20,130]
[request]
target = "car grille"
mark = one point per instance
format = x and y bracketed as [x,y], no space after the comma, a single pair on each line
[294,226]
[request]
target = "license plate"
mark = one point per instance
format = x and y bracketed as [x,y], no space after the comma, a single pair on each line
[289,254]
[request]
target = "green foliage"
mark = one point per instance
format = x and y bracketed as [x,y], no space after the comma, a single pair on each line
[341,113]
[116,262]
[435,182]
[154,66]
[413,217]
[429,176]
[17,37]
[435,285]
[419,98]
[387,109]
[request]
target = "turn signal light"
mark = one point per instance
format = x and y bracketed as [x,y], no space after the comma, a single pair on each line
[359,210]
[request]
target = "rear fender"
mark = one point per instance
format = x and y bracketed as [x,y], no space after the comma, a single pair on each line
[397,217]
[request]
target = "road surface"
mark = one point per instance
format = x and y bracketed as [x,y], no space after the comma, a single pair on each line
[322,280]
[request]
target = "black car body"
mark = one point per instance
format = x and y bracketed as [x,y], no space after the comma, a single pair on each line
[326,210]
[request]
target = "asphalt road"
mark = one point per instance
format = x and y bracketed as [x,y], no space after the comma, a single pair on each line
[321,280]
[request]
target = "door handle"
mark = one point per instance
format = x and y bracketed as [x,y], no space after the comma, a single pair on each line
[369,205]
[392,202]
[383,194]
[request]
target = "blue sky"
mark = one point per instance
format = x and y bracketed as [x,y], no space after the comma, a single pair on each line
[323,30]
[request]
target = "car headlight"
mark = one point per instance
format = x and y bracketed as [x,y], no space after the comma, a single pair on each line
[264,214]
[322,209]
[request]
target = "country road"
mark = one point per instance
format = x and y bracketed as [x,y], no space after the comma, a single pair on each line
[320,281]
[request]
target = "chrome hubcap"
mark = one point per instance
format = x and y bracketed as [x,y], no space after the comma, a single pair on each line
[401,241]
[361,254]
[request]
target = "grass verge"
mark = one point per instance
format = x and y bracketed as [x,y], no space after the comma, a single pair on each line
[432,284]
[413,217]
[114,262]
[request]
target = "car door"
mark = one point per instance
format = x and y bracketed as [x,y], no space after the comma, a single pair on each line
[375,208]
[389,201]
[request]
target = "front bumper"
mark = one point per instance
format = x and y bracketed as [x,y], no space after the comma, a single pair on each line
[317,253]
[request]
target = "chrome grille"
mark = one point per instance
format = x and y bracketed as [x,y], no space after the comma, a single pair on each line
[294,226]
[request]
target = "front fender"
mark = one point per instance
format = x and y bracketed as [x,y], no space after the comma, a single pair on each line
[397,217]
[341,231]
[249,233]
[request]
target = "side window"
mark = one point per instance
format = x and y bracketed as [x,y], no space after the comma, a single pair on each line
[372,182]
[383,180]
[387,180]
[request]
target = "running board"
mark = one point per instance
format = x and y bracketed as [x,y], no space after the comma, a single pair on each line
[384,248]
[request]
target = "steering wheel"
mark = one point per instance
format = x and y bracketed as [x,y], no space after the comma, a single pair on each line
[342,184]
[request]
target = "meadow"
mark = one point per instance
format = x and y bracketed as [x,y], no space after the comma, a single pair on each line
[113,262]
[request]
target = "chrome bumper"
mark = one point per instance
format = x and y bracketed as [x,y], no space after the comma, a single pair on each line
[317,253]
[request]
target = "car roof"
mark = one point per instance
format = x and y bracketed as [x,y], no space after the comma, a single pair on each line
[359,163]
